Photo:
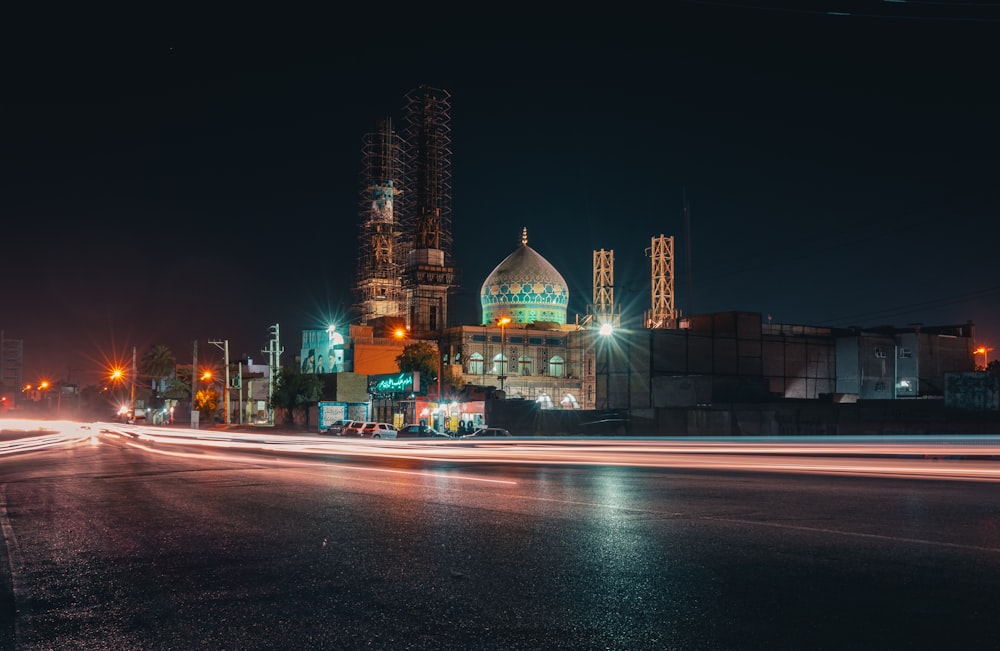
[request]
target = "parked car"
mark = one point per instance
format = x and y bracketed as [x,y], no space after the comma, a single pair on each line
[378,431]
[485,432]
[420,432]
[337,426]
[353,428]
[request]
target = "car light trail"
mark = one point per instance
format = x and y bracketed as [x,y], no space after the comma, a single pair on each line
[33,435]
[966,458]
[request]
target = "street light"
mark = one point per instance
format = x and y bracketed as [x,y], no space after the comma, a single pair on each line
[984,351]
[502,322]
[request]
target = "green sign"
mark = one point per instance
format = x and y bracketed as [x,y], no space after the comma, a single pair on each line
[394,383]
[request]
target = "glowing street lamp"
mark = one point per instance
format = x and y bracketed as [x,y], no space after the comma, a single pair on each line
[984,351]
[503,322]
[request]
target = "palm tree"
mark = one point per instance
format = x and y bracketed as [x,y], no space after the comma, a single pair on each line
[159,364]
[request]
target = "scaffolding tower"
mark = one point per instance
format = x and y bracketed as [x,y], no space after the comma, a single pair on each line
[382,246]
[429,273]
[662,314]
[604,289]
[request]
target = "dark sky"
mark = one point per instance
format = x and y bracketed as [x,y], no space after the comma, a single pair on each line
[179,176]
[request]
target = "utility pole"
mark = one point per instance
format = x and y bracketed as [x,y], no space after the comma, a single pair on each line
[239,387]
[131,375]
[224,346]
[273,351]
[194,385]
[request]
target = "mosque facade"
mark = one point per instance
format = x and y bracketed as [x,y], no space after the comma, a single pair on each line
[524,345]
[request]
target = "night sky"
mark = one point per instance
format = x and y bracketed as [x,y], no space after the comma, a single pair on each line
[174,177]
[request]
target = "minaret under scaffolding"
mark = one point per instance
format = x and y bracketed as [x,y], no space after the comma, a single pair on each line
[662,313]
[429,274]
[378,289]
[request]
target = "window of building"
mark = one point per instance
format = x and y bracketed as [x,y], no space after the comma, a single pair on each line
[905,353]
[557,367]
[476,366]
[499,365]
[524,365]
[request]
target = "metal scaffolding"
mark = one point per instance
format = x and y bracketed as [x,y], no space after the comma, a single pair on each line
[662,314]
[604,288]
[382,246]
[429,271]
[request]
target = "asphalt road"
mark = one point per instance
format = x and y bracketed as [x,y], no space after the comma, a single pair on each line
[113,546]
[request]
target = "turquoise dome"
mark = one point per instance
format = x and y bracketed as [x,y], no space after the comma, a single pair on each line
[525,287]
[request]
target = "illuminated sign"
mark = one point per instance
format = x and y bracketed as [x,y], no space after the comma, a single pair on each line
[394,383]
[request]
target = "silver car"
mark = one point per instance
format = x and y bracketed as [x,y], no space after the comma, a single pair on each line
[378,431]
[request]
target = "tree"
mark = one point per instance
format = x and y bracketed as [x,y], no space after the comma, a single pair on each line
[420,357]
[177,388]
[293,388]
[159,364]
[206,403]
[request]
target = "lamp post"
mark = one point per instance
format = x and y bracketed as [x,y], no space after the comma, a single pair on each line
[984,351]
[502,322]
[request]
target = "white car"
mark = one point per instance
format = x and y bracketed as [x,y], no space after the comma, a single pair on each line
[378,431]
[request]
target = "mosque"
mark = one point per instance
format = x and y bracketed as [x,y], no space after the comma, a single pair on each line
[681,374]
[522,349]
[523,345]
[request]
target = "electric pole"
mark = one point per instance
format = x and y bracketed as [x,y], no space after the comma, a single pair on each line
[224,346]
[273,351]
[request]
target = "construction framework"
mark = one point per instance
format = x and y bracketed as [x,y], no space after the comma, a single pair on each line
[662,314]
[429,274]
[604,288]
[382,243]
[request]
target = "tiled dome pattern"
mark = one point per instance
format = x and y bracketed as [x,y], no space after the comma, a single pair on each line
[526,288]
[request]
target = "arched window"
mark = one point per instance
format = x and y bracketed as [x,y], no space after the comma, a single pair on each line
[557,367]
[499,365]
[524,365]
[476,366]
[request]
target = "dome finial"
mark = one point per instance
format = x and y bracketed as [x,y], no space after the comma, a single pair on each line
[524,236]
